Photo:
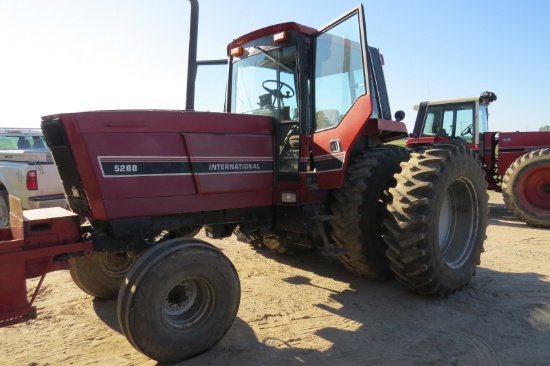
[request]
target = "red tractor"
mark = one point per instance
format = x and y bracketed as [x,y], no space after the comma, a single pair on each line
[516,163]
[298,160]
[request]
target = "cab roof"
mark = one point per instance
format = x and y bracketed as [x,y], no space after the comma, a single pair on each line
[449,101]
[272,29]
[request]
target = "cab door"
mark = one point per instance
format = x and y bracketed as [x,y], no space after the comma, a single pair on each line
[341,97]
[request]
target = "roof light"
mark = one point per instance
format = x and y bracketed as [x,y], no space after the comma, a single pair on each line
[280,37]
[237,51]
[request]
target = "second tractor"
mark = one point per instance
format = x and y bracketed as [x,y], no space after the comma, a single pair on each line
[515,163]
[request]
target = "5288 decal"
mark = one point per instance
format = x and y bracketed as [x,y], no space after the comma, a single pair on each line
[113,166]
[125,168]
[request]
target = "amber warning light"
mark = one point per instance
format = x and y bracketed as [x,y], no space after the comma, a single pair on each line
[280,37]
[237,51]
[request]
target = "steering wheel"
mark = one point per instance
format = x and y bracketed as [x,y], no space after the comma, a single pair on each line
[467,130]
[277,92]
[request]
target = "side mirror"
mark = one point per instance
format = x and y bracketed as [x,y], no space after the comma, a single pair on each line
[399,116]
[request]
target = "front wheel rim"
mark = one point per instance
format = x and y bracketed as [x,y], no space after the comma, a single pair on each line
[188,303]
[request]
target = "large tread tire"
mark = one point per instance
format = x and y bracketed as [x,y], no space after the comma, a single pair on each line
[4,209]
[101,274]
[360,209]
[526,188]
[178,300]
[438,219]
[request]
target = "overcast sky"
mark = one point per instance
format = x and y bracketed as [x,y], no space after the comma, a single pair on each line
[72,55]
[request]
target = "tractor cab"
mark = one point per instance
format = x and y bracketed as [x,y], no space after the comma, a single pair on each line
[324,90]
[460,120]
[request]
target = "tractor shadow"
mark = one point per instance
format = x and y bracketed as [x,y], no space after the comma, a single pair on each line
[499,318]
[106,310]
[500,216]
[393,326]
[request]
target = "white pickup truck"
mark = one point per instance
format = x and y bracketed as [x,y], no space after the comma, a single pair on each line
[27,172]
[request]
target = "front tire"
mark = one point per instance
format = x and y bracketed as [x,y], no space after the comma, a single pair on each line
[178,300]
[101,274]
[438,219]
[526,188]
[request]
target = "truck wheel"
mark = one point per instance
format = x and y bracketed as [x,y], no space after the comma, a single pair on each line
[178,300]
[526,188]
[101,274]
[438,219]
[360,209]
[4,210]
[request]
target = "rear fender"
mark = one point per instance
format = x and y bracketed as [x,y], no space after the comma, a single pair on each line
[512,145]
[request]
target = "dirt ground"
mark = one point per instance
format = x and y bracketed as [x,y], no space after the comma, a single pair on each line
[310,310]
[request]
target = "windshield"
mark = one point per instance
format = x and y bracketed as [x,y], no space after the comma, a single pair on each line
[265,83]
[453,121]
[22,142]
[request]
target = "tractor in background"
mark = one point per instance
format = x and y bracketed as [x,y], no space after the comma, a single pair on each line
[515,163]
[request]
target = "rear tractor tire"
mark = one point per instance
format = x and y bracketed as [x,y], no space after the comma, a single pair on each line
[101,274]
[178,300]
[360,209]
[526,188]
[438,219]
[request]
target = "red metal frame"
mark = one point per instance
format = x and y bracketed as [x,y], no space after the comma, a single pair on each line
[28,249]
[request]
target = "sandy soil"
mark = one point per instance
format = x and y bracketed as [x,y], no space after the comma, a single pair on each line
[309,310]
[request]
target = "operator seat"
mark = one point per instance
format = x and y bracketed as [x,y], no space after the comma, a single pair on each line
[327,118]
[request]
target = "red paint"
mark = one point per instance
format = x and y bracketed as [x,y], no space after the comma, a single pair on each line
[27,250]
[348,133]
[196,137]
[273,29]
[512,145]
[534,190]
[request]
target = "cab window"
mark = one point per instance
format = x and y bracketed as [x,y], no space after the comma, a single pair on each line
[454,121]
[339,72]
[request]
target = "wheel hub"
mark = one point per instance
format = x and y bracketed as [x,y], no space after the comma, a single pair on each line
[115,264]
[534,189]
[181,298]
[188,303]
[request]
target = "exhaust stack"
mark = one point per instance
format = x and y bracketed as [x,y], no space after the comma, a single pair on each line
[192,56]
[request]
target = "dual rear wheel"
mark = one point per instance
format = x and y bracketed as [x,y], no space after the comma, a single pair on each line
[438,219]
[420,215]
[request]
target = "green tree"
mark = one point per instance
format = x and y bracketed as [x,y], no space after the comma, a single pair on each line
[544,128]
